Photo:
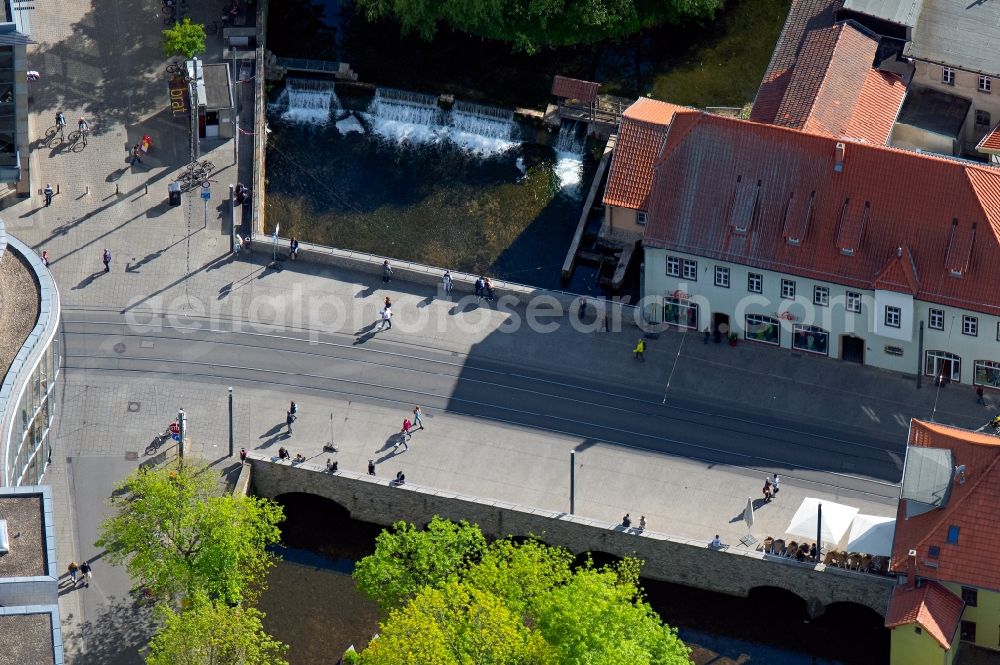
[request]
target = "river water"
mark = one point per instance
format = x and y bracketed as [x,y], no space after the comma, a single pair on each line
[313,605]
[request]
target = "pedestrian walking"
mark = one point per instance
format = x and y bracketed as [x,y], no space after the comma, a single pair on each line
[386,272]
[387,303]
[446,282]
[136,154]
[774,485]
[480,283]
[404,434]
[767,489]
[106,259]
[386,315]
[73,569]
[371,467]
[488,289]
[640,350]
[243,455]
[293,409]
[87,575]
[48,191]
[45,257]
[627,521]
[294,249]
[642,522]
[418,417]
[979,390]
[289,419]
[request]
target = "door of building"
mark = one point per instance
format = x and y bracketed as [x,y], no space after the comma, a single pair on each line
[720,326]
[852,349]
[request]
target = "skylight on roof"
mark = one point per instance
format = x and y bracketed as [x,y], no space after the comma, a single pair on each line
[952,534]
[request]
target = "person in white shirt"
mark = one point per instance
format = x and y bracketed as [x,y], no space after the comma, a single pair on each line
[716,542]
[774,484]
[446,280]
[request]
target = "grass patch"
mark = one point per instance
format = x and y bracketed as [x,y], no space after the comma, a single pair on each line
[726,66]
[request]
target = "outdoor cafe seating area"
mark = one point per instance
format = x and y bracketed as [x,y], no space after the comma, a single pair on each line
[851,541]
[861,562]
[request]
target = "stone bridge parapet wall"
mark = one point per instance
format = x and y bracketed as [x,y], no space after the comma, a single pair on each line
[734,571]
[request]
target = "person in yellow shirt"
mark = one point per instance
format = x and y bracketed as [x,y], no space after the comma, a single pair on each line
[640,349]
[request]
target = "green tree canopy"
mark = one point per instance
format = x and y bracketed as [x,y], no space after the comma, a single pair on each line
[214,634]
[179,537]
[454,625]
[584,615]
[407,559]
[186,39]
[534,24]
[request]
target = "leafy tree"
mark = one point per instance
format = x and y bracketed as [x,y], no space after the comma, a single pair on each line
[186,39]
[178,537]
[407,559]
[443,583]
[535,24]
[214,634]
[454,625]
[599,617]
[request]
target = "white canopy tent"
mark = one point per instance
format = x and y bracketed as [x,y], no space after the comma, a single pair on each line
[872,534]
[836,520]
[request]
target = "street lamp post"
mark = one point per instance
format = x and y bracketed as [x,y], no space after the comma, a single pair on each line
[230,421]
[572,482]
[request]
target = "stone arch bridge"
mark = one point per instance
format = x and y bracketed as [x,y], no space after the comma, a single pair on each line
[734,571]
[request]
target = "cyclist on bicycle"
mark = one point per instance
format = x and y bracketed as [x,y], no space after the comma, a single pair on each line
[83,126]
[60,119]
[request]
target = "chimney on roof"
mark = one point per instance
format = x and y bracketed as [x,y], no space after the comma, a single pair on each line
[838,163]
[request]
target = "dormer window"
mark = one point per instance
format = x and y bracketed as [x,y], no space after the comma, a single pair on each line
[952,534]
[933,551]
[640,217]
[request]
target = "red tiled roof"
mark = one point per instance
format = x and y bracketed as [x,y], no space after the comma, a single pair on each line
[912,198]
[877,107]
[991,142]
[931,606]
[899,274]
[567,88]
[827,79]
[975,560]
[644,124]
[803,16]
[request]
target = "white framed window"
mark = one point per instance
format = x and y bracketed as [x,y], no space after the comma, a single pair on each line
[853,301]
[970,325]
[691,270]
[985,83]
[763,329]
[673,266]
[947,76]
[722,276]
[987,373]
[821,296]
[983,119]
[811,339]
[892,316]
[788,288]
[943,364]
[680,312]
[640,217]
[755,284]
[935,320]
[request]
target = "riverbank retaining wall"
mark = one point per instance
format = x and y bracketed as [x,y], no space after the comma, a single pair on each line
[735,570]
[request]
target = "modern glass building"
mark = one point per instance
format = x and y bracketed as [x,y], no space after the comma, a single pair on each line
[30,356]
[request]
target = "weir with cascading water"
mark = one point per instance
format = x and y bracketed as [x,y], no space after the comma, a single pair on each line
[503,198]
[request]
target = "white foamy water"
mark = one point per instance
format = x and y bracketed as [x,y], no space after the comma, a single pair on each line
[569,171]
[350,125]
[409,133]
[308,100]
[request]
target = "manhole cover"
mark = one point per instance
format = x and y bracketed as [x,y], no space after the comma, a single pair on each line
[120,347]
[133,407]
[131,455]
